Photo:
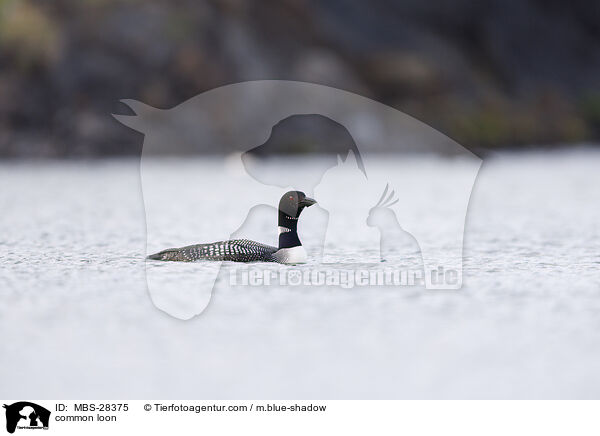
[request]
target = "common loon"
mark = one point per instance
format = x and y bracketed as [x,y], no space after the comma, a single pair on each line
[290,250]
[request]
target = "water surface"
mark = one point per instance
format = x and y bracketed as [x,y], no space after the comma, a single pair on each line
[77,321]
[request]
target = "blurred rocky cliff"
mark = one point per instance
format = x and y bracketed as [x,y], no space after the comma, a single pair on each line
[490,73]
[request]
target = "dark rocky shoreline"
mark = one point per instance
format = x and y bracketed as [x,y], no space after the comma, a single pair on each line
[490,74]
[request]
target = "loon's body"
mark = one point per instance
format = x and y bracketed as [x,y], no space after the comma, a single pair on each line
[237,250]
[290,248]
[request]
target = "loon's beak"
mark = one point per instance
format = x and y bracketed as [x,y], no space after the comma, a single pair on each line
[307,202]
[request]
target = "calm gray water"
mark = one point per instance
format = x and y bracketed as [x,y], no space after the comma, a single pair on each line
[77,320]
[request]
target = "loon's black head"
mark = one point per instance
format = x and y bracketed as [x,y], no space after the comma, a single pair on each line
[290,207]
[293,202]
